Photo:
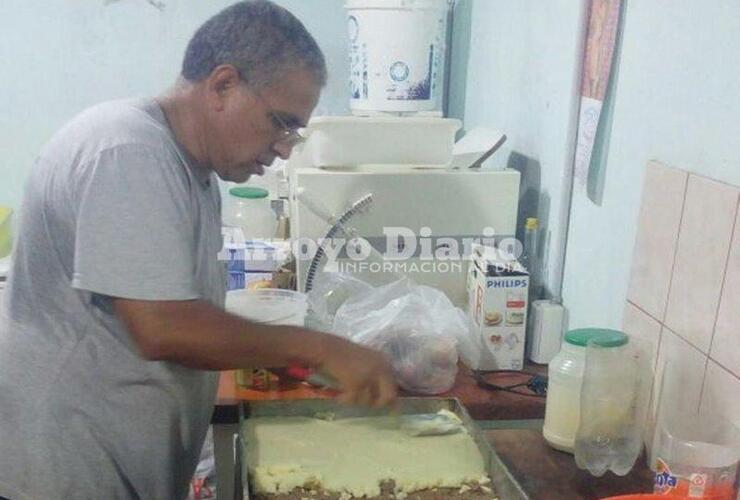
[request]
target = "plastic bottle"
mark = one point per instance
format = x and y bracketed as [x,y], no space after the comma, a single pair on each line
[616,384]
[566,374]
[529,257]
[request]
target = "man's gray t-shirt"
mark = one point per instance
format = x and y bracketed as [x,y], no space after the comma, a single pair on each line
[113,207]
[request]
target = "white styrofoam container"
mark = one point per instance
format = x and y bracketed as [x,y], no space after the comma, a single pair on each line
[349,141]
[397,54]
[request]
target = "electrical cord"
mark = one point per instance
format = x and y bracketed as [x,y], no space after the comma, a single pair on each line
[536,385]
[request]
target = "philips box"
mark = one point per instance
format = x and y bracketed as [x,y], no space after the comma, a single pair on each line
[497,305]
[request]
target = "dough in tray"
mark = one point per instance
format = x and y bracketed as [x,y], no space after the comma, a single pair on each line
[355,455]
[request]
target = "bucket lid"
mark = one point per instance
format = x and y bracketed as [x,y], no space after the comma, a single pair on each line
[251,193]
[603,337]
[268,305]
[396,4]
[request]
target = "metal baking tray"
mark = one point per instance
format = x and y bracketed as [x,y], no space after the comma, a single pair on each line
[504,484]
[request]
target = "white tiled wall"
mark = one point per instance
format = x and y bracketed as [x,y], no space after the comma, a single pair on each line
[684,293]
[657,233]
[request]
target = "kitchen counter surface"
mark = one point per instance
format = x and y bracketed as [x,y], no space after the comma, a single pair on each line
[482,404]
[548,474]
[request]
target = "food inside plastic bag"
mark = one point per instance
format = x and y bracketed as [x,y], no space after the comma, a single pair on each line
[418,327]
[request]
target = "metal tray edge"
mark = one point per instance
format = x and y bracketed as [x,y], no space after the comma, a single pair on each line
[504,483]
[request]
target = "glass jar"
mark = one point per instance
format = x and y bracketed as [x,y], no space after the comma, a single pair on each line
[248,208]
[565,379]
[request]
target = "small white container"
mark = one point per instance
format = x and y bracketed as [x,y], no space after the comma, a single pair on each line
[348,141]
[248,208]
[565,379]
[545,330]
[269,306]
[397,54]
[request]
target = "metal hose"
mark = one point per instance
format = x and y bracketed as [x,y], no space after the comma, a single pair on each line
[334,230]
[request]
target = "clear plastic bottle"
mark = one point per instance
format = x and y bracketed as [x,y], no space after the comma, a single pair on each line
[565,380]
[529,257]
[614,395]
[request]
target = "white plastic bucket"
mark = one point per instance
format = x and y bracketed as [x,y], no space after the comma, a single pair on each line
[269,306]
[397,53]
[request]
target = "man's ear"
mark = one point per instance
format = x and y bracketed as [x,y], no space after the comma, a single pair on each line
[220,84]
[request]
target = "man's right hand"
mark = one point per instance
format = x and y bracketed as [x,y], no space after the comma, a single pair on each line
[364,375]
[199,335]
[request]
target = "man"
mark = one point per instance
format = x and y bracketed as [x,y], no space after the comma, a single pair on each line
[113,324]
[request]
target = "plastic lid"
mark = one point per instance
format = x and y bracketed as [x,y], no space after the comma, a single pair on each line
[531,223]
[252,193]
[603,337]
[396,4]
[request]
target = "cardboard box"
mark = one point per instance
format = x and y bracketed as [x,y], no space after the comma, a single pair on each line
[497,305]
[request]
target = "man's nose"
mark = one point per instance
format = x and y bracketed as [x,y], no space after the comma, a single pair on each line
[282,149]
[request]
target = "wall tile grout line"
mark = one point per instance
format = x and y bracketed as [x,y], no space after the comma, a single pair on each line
[675,247]
[702,176]
[655,370]
[636,306]
[660,333]
[724,368]
[715,180]
[724,274]
[657,351]
[685,340]
[703,382]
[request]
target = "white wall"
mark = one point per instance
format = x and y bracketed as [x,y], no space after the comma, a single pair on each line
[61,56]
[515,68]
[676,101]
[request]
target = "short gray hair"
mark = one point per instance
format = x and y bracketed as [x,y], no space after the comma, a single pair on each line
[257,37]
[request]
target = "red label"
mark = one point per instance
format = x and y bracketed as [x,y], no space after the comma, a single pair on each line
[514,303]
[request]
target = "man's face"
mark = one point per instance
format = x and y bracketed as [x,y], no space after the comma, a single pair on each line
[243,135]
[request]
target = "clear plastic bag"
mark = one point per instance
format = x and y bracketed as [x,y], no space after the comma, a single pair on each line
[418,327]
[329,292]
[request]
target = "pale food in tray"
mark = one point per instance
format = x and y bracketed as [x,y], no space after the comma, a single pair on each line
[370,457]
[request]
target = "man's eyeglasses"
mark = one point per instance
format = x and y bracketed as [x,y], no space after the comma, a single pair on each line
[290,136]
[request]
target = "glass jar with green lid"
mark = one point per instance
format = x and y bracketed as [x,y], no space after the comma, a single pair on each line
[565,378]
[248,208]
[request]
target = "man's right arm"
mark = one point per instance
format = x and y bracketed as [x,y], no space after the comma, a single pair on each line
[196,334]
